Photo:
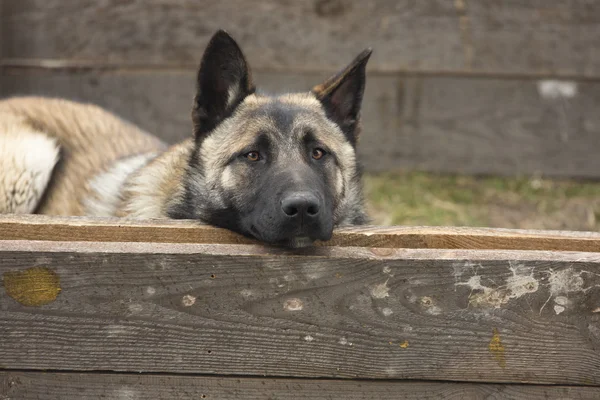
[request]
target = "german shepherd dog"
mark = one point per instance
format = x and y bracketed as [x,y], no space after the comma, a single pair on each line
[281,169]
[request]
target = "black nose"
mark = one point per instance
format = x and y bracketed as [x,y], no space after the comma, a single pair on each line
[300,204]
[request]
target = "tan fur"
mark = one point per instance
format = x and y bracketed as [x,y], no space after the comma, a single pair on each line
[27,158]
[149,192]
[95,145]
[238,131]
[106,189]
[90,141]
[280,169]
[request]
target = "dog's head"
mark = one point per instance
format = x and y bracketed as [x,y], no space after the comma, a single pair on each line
[281,169]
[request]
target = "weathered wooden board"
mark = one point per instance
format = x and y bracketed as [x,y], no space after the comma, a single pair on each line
[474,126]
[554,37]
[512,37]
[312,35]
[4,38]
[488,316]
[39,227]
[72,386]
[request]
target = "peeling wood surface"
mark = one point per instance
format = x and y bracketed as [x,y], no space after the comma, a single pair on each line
[39,227]
[470,315]
[72,386]
[436,123]
[484,36]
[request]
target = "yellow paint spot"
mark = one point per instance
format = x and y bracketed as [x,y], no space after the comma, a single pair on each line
[497,349]
[404,344]
[338,275]
[33,287]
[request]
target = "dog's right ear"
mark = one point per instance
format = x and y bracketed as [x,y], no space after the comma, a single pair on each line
[224,80]
[341,95]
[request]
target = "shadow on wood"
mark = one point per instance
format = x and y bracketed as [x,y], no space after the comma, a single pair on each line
[73,386]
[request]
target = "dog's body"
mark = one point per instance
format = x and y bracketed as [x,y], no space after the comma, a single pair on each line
[79,144]
[281,169]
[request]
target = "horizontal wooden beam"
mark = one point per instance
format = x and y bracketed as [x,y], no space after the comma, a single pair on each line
[549,37]
[18,66]
[38,227]
[468,315]
[433,123]
[73,386]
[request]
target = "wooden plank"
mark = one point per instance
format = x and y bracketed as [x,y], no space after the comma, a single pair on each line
[4,38]
[282,35]
[513,37]
[488,126]
[72,386]
[39,227]
[486,316]
[539,35]
[445,124]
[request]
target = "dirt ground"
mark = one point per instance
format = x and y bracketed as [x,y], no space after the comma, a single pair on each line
[530,203]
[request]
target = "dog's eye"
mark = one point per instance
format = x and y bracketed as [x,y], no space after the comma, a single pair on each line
[252,156]
[317,153]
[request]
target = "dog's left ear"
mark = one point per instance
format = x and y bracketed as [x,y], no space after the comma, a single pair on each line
[224,80]
[341,95]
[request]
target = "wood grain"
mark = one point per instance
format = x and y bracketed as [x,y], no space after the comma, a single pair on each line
[443,124]
[512,37]
[484,316]
[313,35]
[72,386]
[3,41]
[543,36]
[39,227]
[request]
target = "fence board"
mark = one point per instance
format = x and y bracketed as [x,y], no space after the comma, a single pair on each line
[4,39]
[71,386]
[446,124]
[311,35]
[38,227]
[541,36]
[488,316]
[511,37]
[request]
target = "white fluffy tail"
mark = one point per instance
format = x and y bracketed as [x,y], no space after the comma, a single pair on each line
[27,158]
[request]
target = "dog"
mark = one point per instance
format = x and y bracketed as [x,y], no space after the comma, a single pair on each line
[278,168]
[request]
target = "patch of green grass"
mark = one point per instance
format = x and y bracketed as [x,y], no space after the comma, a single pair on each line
[417,198]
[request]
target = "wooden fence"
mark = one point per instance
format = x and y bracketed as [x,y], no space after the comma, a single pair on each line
[96,308]
[482,87]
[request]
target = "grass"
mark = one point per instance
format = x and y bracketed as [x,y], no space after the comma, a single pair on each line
[417,198]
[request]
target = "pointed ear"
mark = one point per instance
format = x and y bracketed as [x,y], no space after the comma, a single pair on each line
[341,95]
[224,80]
